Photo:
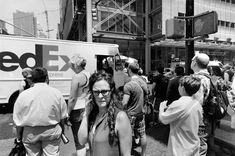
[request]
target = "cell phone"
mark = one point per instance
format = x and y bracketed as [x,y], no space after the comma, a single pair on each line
[64,138]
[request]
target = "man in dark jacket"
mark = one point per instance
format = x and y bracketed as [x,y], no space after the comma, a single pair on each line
[160,83]
[172,93]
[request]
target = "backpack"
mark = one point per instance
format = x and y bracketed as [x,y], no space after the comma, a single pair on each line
[215,106]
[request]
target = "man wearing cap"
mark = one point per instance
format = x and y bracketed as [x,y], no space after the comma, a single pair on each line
[38,115]
[133,101]
[199,65]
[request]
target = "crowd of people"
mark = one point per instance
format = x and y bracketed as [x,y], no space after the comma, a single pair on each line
[109,120]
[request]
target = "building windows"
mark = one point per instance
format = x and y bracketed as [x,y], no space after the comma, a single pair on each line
[226,24]
[228,1]
[181,14]
[125,20]
[232,25]
[222,23]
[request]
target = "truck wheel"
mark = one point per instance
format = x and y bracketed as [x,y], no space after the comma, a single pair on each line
[11,101]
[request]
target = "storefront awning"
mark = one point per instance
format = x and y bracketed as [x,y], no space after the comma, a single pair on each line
[197,45]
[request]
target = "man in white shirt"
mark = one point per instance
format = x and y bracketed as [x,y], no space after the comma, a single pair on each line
[38,113]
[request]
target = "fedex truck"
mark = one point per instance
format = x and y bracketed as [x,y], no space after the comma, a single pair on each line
[17,53]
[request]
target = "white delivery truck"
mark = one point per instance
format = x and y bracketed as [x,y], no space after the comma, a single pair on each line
[17,53]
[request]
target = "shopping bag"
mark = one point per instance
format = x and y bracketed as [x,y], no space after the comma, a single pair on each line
[18,150]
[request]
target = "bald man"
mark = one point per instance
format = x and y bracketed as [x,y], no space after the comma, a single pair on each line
[199,65]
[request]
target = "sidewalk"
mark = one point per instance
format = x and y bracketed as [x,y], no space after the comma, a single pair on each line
[156,139]
[225,138]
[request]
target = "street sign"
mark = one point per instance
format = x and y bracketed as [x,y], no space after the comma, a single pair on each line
[206,23]
[175,28]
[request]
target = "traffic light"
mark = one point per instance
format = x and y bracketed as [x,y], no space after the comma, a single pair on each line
[206,23]
[94,14]
[175,28]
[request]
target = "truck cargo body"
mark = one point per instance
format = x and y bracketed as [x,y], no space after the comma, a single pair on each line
[17,53]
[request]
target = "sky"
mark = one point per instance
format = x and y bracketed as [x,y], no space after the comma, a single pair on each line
[7,7]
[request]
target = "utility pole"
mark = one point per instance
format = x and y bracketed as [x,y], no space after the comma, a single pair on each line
[47,21]
[89,20]
[147,41]
[189,42]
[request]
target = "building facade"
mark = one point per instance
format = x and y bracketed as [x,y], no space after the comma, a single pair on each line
[138,27]
[118,21]
[26,23]
[219,46]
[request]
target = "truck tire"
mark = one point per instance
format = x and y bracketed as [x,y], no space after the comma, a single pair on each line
[11,101]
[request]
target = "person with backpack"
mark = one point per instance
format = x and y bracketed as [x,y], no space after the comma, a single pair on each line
[199,66]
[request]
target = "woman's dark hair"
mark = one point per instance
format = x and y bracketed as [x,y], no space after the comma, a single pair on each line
[111,110]
[191,84]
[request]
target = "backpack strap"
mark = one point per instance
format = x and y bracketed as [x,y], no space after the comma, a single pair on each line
[211,83]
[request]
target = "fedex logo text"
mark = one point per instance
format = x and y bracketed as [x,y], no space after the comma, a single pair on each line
[41,57]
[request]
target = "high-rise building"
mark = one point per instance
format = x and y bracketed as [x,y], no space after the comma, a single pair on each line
[25,22]
[3,29]
[3,25]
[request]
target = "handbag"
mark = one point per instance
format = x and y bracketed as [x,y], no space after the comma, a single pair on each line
[18,150]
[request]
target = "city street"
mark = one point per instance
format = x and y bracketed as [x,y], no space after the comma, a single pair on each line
[156,138]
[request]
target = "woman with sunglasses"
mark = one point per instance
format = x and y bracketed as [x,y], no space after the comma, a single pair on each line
[107,129]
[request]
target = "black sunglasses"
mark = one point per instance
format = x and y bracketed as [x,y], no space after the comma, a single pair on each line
[103,92]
